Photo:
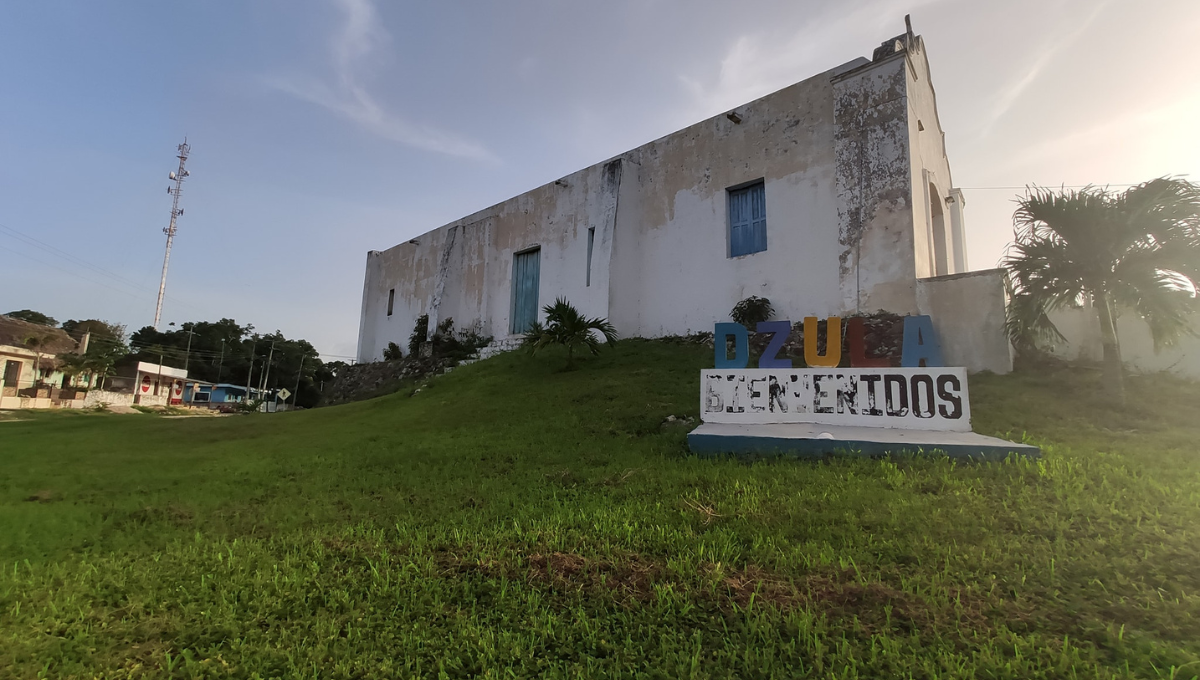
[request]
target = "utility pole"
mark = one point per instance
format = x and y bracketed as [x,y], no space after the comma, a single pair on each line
[267,373]
[221,362]
[249,373]
[296,393]
[178,176]
[187,357]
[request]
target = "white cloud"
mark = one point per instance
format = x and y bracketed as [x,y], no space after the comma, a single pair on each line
[1008,96]
[359,38]
[759,63]
[1152,139]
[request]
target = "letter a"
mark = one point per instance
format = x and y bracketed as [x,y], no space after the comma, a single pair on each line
[920,343]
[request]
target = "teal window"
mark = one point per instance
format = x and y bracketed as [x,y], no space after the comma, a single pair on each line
[747,220]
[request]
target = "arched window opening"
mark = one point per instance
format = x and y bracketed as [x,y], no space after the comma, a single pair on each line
[937,217]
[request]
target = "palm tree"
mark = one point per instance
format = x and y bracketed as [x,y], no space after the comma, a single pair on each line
[1135,250]
[566,326]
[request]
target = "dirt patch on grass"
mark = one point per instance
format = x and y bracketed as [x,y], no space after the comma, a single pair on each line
[633,576]
[43,496]
[170,514]
[841,594]
[632,579]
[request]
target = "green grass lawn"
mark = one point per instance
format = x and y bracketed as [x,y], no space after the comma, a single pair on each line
[512,520]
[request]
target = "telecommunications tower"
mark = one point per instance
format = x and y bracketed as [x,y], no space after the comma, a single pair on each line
[178,176]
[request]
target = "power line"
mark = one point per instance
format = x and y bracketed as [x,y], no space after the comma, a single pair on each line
[68,271]
[1039,186]
[31,241]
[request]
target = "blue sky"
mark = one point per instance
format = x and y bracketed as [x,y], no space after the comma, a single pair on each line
[322,129]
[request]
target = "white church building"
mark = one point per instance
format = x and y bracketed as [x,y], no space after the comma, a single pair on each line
[829,197]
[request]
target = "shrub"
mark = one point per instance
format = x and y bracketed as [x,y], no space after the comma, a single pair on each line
[392,352]
[251,406]
[751,311]
[419,333]
[472,336]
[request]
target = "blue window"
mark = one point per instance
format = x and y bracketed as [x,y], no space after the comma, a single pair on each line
[747,220]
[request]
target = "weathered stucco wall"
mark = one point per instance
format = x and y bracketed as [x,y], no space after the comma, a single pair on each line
[1082,331]
[939,248]
[673,273]
[464,269]
[968,312]
[97,397]
[874,189]
[845,157]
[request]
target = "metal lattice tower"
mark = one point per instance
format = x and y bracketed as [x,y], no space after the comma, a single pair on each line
[176,211]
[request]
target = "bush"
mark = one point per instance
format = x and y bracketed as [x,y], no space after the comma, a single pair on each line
[419,333]
[251,406]
[472,336]
[447,344]
[751,311]
[392,352]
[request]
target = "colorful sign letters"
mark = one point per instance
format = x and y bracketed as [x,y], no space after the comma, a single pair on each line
[920,347]
[920,395]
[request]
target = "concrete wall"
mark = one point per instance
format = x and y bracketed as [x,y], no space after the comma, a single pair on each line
[873,188]
[464,269]
[940,247]
[660,260]
[672,273]
[968,312]
[846,159]
[96,397]
[1082,331]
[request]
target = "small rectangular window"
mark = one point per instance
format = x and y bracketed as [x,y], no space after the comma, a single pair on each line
[747,220]
[591,241]
[391,300]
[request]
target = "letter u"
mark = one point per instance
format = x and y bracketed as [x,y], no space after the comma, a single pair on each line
[833,343]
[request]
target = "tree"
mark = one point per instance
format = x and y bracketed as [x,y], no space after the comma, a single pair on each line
[37,341]
[106,330]
[73,365]
[566,326]
[1134,250]
[33,317]
[107,344]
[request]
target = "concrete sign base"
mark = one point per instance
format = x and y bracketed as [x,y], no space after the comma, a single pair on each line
[813,440]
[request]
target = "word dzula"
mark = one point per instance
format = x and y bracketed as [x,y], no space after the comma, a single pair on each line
[920,347]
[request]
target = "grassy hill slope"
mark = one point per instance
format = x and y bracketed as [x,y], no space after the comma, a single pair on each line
[512,520]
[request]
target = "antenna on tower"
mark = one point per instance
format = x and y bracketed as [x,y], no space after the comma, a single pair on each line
[178,176]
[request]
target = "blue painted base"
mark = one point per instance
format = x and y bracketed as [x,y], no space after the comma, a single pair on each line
[814,441]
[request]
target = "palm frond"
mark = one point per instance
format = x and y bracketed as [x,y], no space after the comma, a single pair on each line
[566,326]
[1140,248]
